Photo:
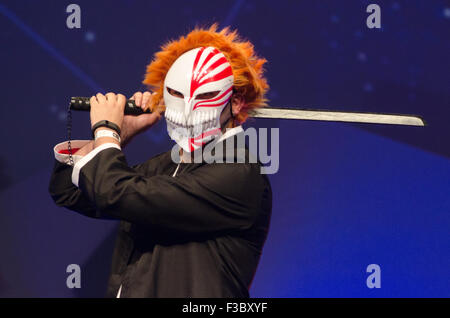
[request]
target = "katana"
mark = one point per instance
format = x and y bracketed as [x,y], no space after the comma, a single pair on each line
[329,115]
[82,103]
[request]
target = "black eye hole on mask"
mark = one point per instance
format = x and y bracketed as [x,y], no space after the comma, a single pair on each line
[207,95]
[174,93]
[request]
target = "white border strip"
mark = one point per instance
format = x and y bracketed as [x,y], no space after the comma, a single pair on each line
[80,164]
[63,158]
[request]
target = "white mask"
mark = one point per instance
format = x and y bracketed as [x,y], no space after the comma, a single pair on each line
[193,117]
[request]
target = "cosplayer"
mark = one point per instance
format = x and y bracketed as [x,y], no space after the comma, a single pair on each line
[187,229]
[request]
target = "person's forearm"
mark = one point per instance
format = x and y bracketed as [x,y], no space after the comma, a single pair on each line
[125,140]
[86,148]
[95,143]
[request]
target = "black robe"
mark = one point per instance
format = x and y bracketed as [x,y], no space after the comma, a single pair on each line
[199,233]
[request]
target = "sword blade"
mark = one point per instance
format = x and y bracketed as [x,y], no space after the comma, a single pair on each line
[327,115]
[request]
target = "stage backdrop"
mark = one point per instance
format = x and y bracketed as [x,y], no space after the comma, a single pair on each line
[345,195]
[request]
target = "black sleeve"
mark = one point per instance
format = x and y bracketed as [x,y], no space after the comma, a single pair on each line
[65,194]
[213,198]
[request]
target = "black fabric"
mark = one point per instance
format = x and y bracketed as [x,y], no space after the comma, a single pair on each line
[198,234]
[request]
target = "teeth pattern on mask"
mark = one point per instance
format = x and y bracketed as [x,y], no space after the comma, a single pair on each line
[167,113]
[195,124]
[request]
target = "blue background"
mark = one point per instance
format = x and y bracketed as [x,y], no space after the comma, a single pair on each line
[345,196]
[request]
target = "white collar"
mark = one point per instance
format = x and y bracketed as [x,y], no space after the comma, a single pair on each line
[186,156]
[231,132]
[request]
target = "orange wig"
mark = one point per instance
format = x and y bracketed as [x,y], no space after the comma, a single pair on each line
[249,82]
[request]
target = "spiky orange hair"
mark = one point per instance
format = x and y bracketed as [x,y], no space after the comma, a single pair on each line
[249,81]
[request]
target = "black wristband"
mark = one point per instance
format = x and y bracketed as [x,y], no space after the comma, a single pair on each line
[105,123]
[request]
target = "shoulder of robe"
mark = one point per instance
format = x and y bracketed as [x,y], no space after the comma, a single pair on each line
[156,164]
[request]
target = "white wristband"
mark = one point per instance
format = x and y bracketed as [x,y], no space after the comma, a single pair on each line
[106,133]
